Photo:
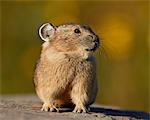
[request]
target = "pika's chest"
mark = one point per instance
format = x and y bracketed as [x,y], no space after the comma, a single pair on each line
[53,62]
[61,63]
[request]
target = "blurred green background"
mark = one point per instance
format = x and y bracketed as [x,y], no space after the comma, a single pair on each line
[122,63]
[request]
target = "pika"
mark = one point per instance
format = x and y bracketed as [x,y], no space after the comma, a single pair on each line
[66,70]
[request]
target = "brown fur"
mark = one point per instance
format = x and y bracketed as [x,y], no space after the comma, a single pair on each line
[66,72]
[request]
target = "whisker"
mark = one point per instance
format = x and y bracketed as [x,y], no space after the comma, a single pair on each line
[106,56]
[99,52]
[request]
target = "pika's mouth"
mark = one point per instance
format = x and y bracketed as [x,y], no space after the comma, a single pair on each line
[94,48]
[91,49]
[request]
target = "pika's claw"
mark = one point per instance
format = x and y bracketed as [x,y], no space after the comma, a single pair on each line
[80,110]
[45,108]
[48,107]
[54,109]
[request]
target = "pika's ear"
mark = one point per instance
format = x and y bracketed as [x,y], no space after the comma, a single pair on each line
[46,31]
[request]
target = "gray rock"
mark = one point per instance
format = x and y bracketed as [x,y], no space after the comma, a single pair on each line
[27,107]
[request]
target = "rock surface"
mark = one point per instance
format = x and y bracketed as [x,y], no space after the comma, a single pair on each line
[27,107]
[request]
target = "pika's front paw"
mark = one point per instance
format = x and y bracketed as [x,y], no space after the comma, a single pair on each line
[82,109]
[49,107]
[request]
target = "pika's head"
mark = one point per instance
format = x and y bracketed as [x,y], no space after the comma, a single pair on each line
[69,37]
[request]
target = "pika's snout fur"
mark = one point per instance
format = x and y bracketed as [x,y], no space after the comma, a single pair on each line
[66,71]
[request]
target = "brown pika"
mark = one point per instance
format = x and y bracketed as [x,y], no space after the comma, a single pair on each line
[66,71]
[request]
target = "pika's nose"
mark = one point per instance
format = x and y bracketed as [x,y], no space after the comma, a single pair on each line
[91,36]
[96,40]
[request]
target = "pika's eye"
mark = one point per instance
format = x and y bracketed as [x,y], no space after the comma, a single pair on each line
[77,30]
